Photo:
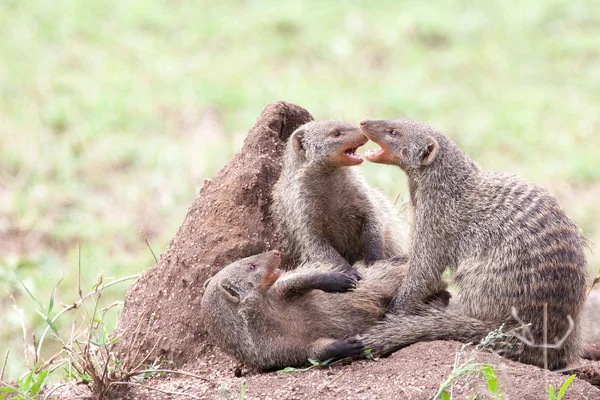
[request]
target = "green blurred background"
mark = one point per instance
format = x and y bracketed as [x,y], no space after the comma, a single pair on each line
[113,113]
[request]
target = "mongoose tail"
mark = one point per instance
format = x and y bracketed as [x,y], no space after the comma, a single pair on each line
[398,331]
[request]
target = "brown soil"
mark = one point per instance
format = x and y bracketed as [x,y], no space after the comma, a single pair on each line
[230,220]
[411,373]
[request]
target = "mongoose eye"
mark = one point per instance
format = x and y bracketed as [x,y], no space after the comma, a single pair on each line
[252,267]
[393,132]
[335,133]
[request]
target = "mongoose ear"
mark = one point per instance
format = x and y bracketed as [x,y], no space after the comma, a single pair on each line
[229,292]
[296,139]
[404,153]
[430,152]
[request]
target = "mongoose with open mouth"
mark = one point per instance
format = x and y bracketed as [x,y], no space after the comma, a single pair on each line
[271,319]
[324,209]
[508,243]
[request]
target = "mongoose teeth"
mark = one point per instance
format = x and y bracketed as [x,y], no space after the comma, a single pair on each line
[373,152]
[276,272]
[351,153]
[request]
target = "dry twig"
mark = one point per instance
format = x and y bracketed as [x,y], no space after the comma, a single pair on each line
[148,244]
[169,371]
[556,345]
[594,282]
[4,364]
[333,380]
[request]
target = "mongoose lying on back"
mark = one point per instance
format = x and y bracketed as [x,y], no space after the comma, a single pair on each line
[268,319]
[507,241]
[325,210]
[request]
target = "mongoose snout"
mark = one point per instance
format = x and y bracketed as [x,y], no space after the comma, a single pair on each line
[402,143]
[347,154]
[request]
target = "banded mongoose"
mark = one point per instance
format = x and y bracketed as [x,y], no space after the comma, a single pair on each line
[324,209]
[507,241]
[270,319]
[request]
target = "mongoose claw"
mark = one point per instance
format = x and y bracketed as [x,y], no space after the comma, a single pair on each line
[338,282]
[353,273]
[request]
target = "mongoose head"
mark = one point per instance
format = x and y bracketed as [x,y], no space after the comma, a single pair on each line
[327,143]
[238,279]
[411,145]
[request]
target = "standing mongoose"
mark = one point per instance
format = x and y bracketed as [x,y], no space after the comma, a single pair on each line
[507,241]
[270,319]
[324,209]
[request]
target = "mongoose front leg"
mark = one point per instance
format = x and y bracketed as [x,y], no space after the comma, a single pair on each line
[373,242]
[299,283]
[280,352]
[320,250]
[424,276]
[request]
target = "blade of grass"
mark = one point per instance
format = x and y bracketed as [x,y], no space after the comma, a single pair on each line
[51,303]
[243,391]
[39,382]
[27,290]
[565,385]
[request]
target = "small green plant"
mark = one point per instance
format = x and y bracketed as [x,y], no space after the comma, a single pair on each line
[563,389]
[28,386]
[492,381]
[469,367]
[314,364]
[87,355]
[369,355]
[242,392]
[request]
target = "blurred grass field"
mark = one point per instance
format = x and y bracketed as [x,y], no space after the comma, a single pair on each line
[113,113]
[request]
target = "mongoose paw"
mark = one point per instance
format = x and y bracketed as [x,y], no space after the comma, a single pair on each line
[351,272]
[440,299]
[350,347]
[338,282]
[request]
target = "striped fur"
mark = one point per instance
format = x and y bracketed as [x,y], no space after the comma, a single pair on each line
[507,241]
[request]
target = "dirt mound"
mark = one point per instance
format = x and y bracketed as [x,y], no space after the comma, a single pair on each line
[228,220]
[413,373]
